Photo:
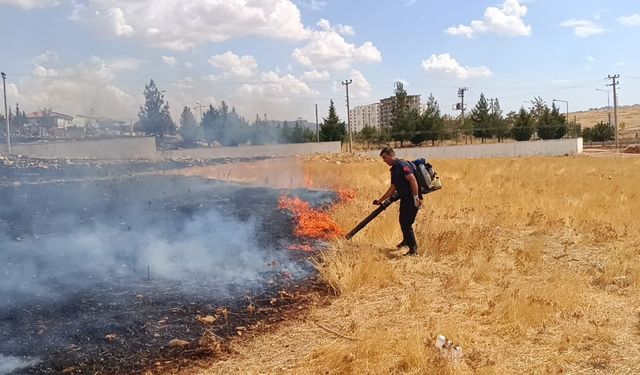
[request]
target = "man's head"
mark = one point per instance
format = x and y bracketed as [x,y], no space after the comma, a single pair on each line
[388,155]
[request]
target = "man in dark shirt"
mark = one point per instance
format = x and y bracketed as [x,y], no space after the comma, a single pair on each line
[404,182]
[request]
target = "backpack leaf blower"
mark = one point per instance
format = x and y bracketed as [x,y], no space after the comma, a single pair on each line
[428,182]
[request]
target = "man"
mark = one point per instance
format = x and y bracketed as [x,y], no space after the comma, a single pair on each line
[404,182]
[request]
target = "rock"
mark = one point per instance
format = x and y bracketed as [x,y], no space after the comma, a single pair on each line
[177,343]
[111,337]
[206,319]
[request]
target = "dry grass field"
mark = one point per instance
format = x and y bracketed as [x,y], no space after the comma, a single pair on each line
[629,115]
[531,265]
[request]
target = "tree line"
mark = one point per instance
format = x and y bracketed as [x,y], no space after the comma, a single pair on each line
[223,125]
[485,121]
[218,124]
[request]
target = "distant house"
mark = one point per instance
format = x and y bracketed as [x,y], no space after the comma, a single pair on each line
[49,120]
[101,124]
[111,125]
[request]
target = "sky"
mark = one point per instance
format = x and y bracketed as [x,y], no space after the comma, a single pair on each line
[282,57]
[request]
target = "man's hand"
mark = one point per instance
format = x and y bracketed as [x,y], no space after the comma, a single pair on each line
[377,203]
[416,201]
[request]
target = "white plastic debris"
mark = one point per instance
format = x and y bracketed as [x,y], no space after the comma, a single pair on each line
[449,350]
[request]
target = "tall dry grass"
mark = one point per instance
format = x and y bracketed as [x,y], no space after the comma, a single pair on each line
[531,265]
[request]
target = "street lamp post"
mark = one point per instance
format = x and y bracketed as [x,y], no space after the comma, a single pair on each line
[6,112]
[565,102]
[608,104]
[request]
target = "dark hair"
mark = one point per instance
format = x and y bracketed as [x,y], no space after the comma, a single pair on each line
[387,151]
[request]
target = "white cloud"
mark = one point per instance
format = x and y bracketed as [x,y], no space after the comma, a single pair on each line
[41,71]
[344,30]
[313,4]
[184,84]
[315,75]
[30,4]
[188,65]
[184,25]
[582,28]
[632,20]
[409,3]
[47,57]
[591,58]
[278,95]
[169,60]
[327,49]
[360,87]
[234,66]
[507,20]
[446,65]
[79,89]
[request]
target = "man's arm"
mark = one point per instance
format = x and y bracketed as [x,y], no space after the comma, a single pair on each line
[390,191]
[414,189]
[414,184]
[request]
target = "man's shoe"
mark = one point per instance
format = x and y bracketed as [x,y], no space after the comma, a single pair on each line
[401,245]
[412,253]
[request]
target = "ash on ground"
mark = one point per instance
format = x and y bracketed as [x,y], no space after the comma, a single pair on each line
[100,275]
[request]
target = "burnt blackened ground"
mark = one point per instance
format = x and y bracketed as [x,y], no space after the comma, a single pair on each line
[78,296]
[16,169]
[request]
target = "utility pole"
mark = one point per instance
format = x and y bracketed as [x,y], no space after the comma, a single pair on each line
[346,83]
[615,83]
[461,91]
[317,127]
[6,113]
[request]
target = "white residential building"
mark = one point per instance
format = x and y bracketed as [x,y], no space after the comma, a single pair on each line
[364,115]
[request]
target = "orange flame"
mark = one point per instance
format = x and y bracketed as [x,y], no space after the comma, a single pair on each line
[312,224]
[346,195]
[301,247]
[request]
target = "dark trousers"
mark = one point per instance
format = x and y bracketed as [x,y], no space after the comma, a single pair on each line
[408,212]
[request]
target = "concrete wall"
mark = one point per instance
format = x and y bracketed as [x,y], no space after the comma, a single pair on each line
[253,151]
[118,148]
[557,147]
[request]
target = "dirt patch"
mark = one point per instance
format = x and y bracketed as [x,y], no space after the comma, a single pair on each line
[632,150]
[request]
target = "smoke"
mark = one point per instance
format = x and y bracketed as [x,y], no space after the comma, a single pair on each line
[199,235]
[10,364]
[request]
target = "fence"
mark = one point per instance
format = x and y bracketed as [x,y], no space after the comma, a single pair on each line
[145,148]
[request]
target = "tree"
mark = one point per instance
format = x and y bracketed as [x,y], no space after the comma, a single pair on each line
[430,126]
[235,129]
[189,129]
[481,119]
[551,124]
[523,125]
[154,115]
[587,134]
[368,135]
[602,132]
[452,127]
[498,125]
[210,120]
[403,119]
[332,129]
